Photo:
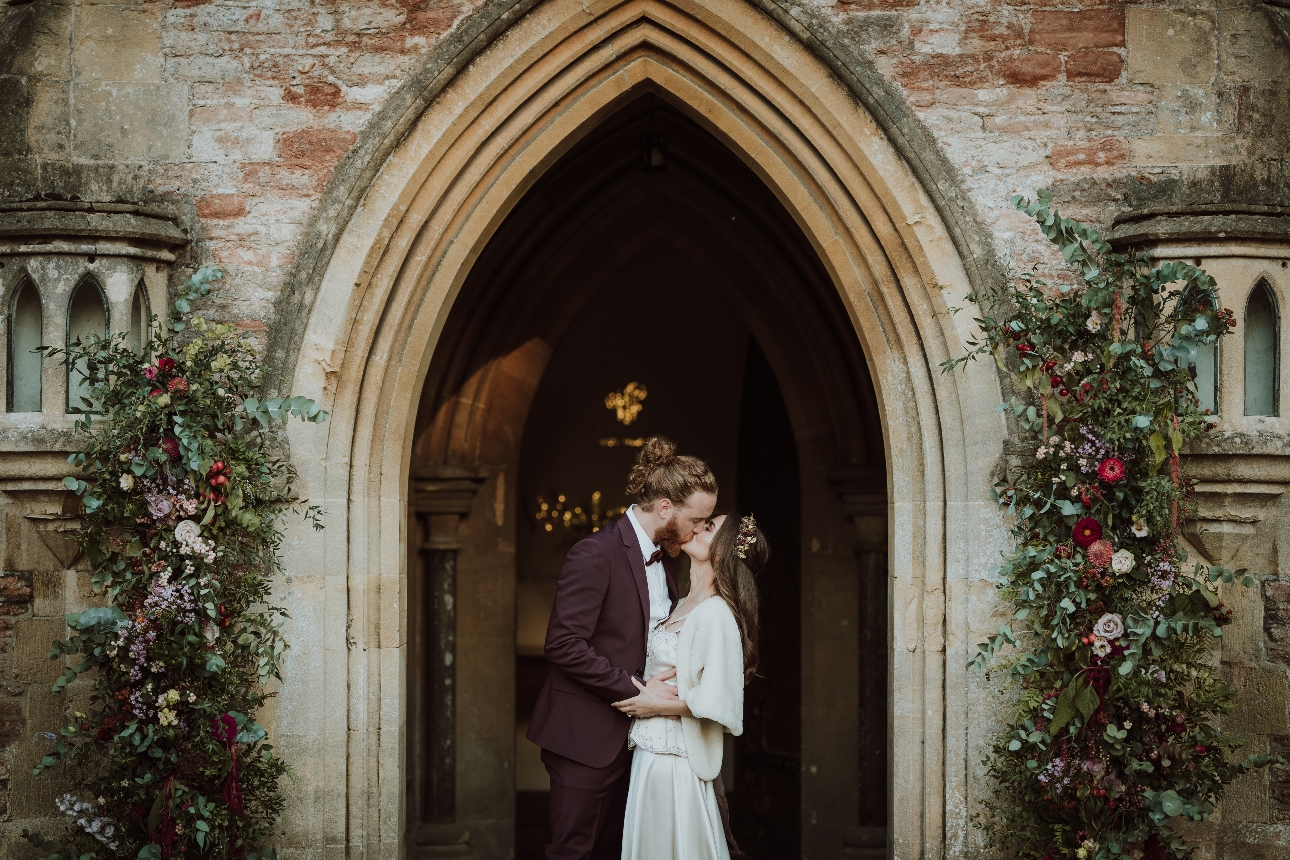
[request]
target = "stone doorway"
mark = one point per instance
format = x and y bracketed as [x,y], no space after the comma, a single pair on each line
[430,378]
[649,253]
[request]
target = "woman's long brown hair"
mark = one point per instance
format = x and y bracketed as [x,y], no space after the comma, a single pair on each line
[736,583]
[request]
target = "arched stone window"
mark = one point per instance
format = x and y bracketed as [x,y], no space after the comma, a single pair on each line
[25,320]
[140,332]
[87,314]
[1261,351]
[1204,370]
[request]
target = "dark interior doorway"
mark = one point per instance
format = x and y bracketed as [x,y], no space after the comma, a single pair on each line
[649,253]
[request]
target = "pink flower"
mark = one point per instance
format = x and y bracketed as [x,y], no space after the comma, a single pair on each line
[178,385]
[1111,470]
[151,372]
[154,392]
[1100,553]
[1087,531]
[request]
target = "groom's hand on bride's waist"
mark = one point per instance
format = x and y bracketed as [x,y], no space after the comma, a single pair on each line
[658,685]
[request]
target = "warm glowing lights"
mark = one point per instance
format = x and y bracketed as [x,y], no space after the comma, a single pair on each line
[627,404]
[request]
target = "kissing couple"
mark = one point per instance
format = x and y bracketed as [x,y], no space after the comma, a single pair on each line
[643,688]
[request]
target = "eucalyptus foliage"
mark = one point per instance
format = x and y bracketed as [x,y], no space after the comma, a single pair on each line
[184,506]
[1114,734]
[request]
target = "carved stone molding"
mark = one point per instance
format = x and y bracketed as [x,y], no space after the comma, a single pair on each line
[440,497]
[62,227]
[1279,12]
[1237,476]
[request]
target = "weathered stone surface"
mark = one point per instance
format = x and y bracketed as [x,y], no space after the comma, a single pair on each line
[1094,67]
[1167,46]
[117,43]
[1091,28]
[31,641]
[129,121]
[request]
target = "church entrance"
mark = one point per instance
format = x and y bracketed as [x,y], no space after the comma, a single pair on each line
[707,201]
[648,283]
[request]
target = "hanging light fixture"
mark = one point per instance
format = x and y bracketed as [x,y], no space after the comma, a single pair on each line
[653,152]
[653,149]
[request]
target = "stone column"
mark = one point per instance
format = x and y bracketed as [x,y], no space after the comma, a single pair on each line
[441,496]
[863,493]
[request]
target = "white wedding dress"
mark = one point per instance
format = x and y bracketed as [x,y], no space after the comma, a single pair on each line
[671,813]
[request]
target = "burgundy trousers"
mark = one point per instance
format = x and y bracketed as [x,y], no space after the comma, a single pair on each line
[588,805]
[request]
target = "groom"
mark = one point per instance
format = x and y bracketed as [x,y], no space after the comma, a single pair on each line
[614,587]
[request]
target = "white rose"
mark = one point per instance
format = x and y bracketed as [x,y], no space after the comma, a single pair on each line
[1109,626]
[127,482]
[187,531]
[1122,561]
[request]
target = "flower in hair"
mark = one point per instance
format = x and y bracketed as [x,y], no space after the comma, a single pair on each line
[747,536]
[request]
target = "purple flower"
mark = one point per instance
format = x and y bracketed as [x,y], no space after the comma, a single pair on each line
[158,506]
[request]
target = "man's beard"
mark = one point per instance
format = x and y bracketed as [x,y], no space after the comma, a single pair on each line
[669,537]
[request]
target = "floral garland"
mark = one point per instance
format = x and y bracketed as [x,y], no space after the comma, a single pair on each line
[1112,736]
[183,506]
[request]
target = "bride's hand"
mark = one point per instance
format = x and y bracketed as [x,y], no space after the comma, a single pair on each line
[647,703]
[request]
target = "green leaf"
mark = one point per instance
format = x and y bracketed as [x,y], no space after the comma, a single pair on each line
[1087,700]
[1157,443]
[1170,803]
[1066,705]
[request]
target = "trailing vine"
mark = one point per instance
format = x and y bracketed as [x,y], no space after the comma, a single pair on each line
[1113,736]
[184,502]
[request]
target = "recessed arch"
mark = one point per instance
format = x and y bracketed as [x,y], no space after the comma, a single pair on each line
[432,205]
[140,318]
[87,315]
[25,320]
[1262,351]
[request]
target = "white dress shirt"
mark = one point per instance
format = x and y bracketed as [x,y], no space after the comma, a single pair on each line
[660,602]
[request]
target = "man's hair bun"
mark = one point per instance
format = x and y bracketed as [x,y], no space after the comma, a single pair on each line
[660,473]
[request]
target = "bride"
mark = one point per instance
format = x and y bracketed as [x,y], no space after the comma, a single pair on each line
[709,644]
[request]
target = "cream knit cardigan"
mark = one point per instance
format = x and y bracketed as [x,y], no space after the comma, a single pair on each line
[710,679]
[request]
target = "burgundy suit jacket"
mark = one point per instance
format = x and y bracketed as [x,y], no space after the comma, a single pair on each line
[595,643]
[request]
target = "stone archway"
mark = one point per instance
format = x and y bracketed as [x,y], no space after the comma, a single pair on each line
[391,279]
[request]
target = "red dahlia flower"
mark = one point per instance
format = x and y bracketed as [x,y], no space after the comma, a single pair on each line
[1111,470]
[171,447]
[178,385]
[1087,531]
[1099,554]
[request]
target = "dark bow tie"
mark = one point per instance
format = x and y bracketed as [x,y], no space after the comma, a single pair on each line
[656,557]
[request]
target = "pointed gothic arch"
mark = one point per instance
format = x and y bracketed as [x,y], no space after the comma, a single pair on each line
[372,307]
